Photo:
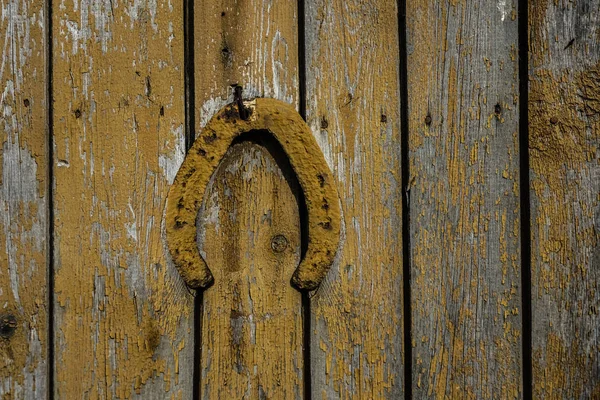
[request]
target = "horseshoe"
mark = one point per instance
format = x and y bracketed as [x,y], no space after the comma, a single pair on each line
[320,193]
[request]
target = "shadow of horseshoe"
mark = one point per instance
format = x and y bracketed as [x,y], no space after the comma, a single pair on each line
[320,193]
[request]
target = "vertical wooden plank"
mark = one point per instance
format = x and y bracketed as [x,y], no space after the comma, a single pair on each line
[353,109]
[124,318]
[252,317]
[23,200]
[564,150]
[253,44]
[464,199]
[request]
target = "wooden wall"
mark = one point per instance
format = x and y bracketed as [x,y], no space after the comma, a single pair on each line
[464,138]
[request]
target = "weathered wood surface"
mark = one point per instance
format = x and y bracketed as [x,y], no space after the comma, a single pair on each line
[253,44]
[464,199]
[252,317]
[124,318]
[23,201]
[564,149]
[353,108]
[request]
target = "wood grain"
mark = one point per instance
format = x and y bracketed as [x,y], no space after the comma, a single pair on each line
[353,109]
[252,317]
[253,44]
[564,143]
[23,201]
[124,318]
[464,199]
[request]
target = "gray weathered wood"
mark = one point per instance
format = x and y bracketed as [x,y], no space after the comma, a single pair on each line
[464,199]
[123,316]
[23,201]
[353,109]
[564,149]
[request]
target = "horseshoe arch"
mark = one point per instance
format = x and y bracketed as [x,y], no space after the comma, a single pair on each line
[289,129]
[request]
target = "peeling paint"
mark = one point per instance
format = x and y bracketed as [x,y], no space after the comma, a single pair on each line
[123,317]
[352,80]
[564,143]
[252,317]
[464,201]
[23,202]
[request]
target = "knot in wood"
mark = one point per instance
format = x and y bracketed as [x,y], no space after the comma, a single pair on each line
[279,243]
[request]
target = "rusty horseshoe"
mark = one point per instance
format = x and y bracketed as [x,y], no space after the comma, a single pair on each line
[320,193]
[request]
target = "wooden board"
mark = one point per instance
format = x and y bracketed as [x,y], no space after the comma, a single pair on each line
[564,150]
[123,317]
[353,109]
[252,317]
[23,201]
[464,199]
[253,44]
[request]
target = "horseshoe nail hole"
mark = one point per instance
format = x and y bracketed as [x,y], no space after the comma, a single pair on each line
[210,138]
[497,109]
[321,179]
[325,225]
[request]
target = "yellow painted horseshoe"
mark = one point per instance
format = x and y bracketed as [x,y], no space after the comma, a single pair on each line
[320,193]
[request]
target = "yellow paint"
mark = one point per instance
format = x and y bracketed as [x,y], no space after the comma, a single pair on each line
[23,199]
[320,194]
[462,205]
[564,135]
[122,311]
[352,72]
[251,317]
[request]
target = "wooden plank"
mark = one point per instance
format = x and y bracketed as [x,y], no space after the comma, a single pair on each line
[253,44]
[464,199]
[124,318]
[564,143]
[252,317]
[23,201]
[353,109]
